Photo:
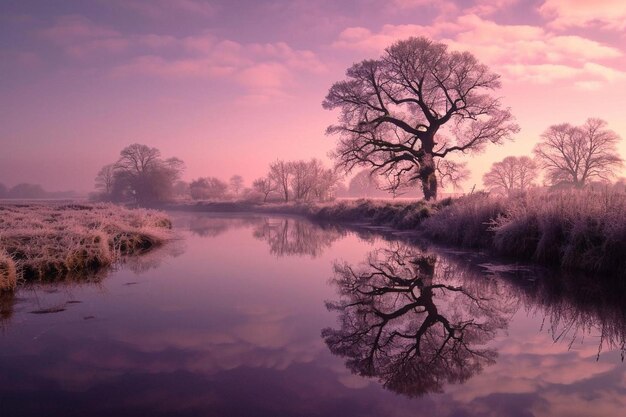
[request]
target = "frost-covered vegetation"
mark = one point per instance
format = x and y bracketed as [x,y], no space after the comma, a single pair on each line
[396,214]
[575,229]
[52,241]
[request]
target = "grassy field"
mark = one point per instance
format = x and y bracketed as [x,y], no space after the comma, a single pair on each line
[53,241]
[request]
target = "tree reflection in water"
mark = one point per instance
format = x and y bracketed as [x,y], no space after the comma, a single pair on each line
[210,226]
[414,321]
[287,236]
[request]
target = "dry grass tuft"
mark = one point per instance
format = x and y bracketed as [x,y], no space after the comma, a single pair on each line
[8,272]
[42,241]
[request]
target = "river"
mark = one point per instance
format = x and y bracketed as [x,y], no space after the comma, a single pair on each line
[256,315]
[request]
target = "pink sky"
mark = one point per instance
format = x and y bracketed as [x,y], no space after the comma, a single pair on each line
[229,86]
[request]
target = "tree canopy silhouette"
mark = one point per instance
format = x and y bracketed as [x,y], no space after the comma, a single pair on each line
[419,103]
[577,154]
[511,174]
[140,174]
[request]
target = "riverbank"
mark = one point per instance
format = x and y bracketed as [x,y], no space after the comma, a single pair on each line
[43,241]
[572,230]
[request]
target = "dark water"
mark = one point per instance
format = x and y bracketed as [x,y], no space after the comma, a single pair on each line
[258,316]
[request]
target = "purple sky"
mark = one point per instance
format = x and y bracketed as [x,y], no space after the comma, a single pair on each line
[229,86]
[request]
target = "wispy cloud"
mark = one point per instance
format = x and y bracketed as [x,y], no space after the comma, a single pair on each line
[264,70]
[159,9]
[70,28]
[607,14]
[488,7]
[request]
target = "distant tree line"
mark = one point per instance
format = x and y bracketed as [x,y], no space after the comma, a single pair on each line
[32,191]
[143,176]
[570,157]
[297,181]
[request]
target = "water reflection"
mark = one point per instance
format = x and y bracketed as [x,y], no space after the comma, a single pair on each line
[206,333]
[576,307]
[7,307]
[414,321]
[289,236]
[55,294]
[211,226]
[45,298]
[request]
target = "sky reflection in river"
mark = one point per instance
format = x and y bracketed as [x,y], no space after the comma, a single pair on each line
[228,321]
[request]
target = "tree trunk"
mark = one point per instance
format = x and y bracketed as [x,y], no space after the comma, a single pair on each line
[428,177]
[429,187]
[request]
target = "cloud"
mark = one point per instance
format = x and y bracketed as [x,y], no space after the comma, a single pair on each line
[519,52]
[488,7]
[264,70]
[362,39]
[160,9]
[113,45]
[443,6]
[70,28]
[608,14]
[154,65]
[270,75]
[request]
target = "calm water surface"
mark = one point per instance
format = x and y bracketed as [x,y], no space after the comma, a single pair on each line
[274,316]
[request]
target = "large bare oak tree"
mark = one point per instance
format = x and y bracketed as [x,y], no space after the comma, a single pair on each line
[403,113]
[575,155]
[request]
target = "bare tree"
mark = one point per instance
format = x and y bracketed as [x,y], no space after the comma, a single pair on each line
[577,154]
[207,188]
[264,186]
[364,183]
[326,184]
[236,183]
[310,180]
[415,105]
[140,172]
[511,174]
[105,180]
[137,158]
[181,189]
[302,179]
[280,173]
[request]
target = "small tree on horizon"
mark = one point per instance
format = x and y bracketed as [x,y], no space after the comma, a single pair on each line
[280,174]
[207,188]
[105,180]
[236,184]
[264,186]
[140,174]
[511,174]
[575,155]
